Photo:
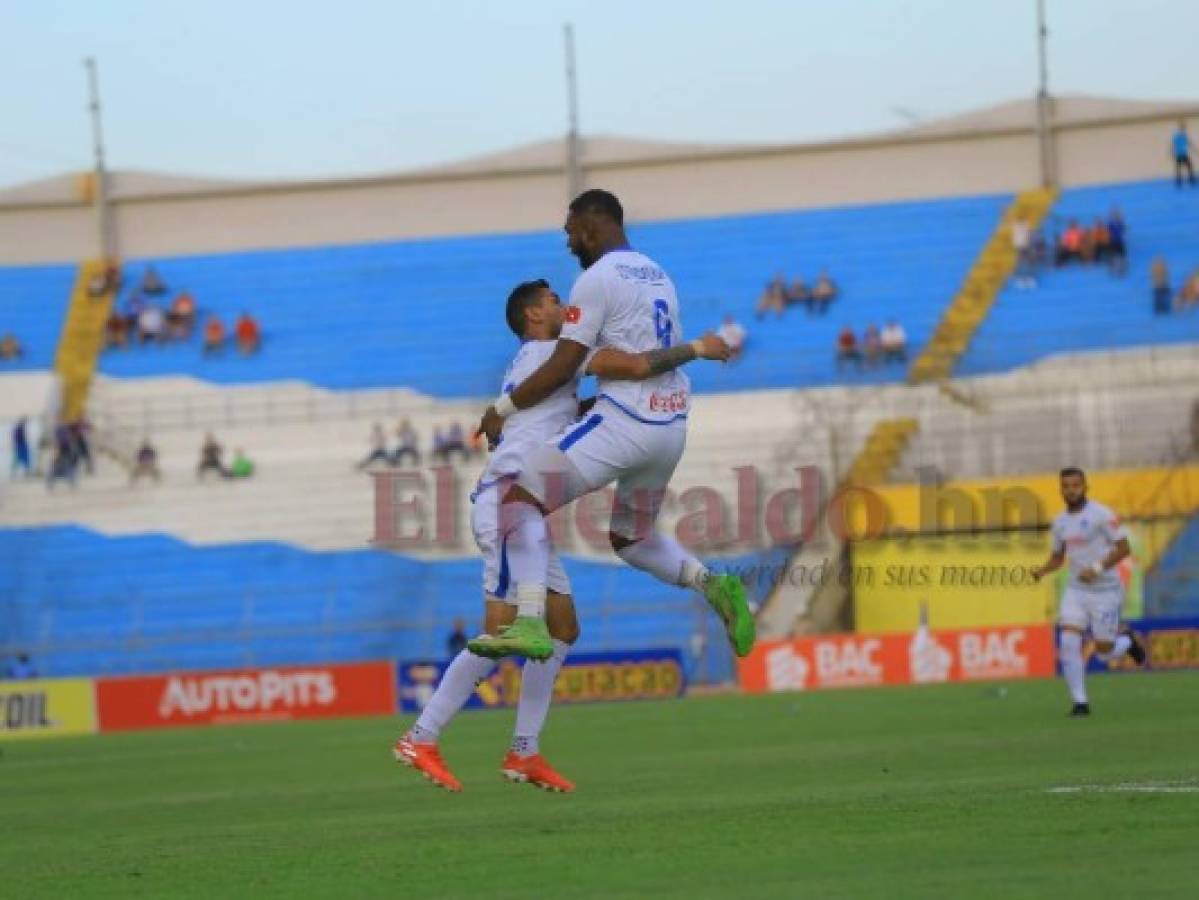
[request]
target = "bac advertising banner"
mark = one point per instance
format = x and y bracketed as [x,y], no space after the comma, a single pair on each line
[585,677]
[1169,644]
[242,695]
[925,657]
[47,708]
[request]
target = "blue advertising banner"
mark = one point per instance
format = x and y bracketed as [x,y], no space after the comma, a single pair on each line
[1168,643]
[585,678]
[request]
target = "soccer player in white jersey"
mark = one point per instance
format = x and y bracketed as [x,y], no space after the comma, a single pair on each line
[535,315]
[634,437]
[1090,537]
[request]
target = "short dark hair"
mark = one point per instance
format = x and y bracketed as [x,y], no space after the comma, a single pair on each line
[601,202]
[1072,470]
[522,297]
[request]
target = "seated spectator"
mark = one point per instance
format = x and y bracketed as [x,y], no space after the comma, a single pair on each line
[409,444]
[10,347]
[151,324]
[181,318]
[145,463]
[1100,240]
[116,330]
[210,458]
[1160,277]
[1188,297]
[847,349]
[152,284]
[242,466]
[1117,248]
[214,336]
[455,442]
[773,298]
[378,451]
[1069,247]
[733,334]
[894,342]
[872,346]
[21,669]
[797,293]
[249,337]
[823,294]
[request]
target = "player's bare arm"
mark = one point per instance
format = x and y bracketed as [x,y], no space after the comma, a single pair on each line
[1119,551]
[1051,565]
[556,371]
[617,365]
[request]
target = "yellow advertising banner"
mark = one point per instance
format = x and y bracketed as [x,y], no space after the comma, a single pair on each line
[47,708]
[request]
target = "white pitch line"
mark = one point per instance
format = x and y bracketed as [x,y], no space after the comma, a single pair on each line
[1129,788]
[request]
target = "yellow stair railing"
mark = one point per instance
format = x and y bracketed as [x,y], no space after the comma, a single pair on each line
[881,452]
[82,338]
[986,279]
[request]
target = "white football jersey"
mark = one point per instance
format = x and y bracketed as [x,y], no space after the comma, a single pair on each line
[526,428]
[625,301]
[1086,537]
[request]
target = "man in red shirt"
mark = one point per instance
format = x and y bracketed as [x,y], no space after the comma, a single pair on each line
[847,349]
[248,335]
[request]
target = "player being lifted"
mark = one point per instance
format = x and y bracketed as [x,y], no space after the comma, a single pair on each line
[634,437]
[535,315]
[1090,537]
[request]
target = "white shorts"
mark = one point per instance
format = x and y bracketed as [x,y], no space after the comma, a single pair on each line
[485,523]
[1098,611]
[609,445]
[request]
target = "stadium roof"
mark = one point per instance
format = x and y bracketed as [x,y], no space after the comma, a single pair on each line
[602,150]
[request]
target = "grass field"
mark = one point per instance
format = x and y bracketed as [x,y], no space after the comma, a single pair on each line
[922,792]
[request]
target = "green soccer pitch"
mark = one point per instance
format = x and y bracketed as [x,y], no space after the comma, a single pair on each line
[957,791]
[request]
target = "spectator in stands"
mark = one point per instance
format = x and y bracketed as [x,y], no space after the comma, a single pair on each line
[145,463]
[181,319]
[378,448]
[152,283]
[455,442]
[439,453]
[823,294]
[847,349]
[65,461]
[116,330]
[456,642]
[21,463]
[10,348]
[249,336]
[408,444]
[773,298]
[151,324]
[1022,244]
[798,293]
[242,466]
[79,432]
[21,668]
[1188,297]
[1099,240]
[1117,249]
[210,458]
[106,281]
[895,343]
[1160,276]
[214,336]
[733,334]
[1182,146]
[872,346]
[1069,247]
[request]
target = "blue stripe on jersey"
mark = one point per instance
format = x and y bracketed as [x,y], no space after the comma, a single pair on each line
[579,433]
[632,415]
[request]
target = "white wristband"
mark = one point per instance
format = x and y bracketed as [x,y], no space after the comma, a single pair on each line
[504,406]
[1097,567]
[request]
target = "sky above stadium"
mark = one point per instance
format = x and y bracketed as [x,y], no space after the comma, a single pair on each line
[270,89]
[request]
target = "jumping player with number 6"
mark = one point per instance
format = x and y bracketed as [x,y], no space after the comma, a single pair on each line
[634,436]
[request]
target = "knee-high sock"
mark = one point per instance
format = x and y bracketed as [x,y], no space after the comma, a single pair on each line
[1119,648]
[665,559]
[1073,668]
[527,543]
[455,689]
[536,691]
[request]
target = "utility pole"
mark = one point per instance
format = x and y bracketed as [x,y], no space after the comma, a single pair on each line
[103,232]
[1044,130]
[574,176]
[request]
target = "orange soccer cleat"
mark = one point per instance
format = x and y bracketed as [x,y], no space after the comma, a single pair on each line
[426,759]
[536,771]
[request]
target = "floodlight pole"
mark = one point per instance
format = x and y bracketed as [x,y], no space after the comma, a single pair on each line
[574,177]
[1044,135]
[104,235]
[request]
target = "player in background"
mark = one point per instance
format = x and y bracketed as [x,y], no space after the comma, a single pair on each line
[634,437]
[535,315]
[1090,537]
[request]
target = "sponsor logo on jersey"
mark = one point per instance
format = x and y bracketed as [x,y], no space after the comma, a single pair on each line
[571,315]
[676,401]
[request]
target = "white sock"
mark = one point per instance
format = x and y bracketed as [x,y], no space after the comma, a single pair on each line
[1073,668]
[457,684]
[527,543]
[536,691]
[665,559]
[1119,648]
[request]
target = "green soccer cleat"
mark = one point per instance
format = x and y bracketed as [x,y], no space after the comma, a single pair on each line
[726,595]
[526,636]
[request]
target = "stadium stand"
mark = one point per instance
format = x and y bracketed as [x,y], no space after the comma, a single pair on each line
[33,305]
[1085,307]
[1172,586]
